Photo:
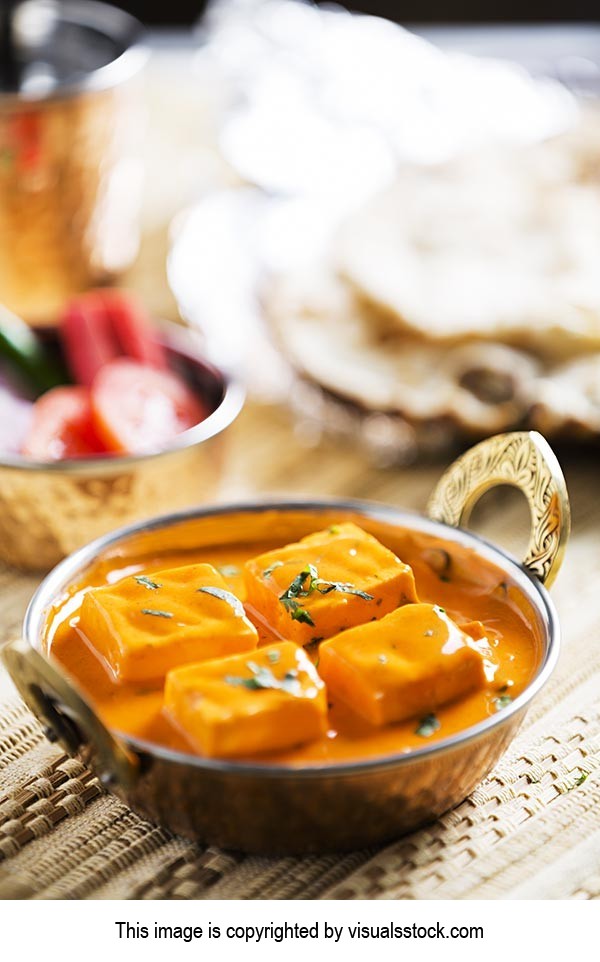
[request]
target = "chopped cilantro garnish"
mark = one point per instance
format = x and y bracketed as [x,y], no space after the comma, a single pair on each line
[226,596]
[324,587]
[157,613]
[502,702]
[428,726]
[308,581]
[147,582]
[240,682]
[295,590]
[298,613]
[273,656]
[262,677]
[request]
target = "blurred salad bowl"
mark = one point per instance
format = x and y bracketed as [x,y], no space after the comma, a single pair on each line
[50,508]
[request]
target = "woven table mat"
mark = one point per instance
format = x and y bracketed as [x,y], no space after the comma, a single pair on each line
[530,830]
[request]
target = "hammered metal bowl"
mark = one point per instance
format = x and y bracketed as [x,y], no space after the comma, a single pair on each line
[281,808]
[48,510]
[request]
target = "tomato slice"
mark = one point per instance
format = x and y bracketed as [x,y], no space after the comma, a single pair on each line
[133,328]
[88,337]
[102,325]
[137,408]
[62,426]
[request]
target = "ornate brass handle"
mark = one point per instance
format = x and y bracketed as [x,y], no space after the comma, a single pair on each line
[523,459]
[69,719]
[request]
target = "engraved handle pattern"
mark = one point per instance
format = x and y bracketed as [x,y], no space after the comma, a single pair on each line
[525,460]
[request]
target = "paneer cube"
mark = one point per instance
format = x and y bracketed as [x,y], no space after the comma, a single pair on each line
[146,624]
[248,705]
[407,664]
[327,582]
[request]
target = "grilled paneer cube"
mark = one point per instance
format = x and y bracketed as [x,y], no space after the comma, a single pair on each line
[409,663]
[146,624]
[248,704]
[327,582]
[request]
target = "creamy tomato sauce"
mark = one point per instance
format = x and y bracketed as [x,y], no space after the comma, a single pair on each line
[468,587]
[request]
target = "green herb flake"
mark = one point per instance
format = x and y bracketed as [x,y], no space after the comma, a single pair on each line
[263,678]
[502,702]
[305,583]
[581,779]
[269,571]
[239,682]
[333,529]
[157,613]
[228,571]
[147,582]
[324,587]
[225,596]
[439,609]
[428,726]
[296,587]
[274,657]
[298,613]
[295,590]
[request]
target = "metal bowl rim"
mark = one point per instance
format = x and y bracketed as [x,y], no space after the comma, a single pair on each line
[234,395]
[63,574]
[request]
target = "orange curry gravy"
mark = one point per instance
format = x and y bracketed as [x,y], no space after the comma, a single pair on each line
[454,576]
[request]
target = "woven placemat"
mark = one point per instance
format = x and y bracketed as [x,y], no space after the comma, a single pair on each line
[530,830]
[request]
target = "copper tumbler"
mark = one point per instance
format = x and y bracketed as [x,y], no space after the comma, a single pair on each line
[70,181]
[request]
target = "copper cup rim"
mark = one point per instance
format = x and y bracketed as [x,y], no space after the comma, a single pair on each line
[113,22]
[63,575]
[180,338]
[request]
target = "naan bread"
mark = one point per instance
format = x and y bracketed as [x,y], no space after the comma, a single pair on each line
[501,247]
[332,340]
[465,300]
[568,400]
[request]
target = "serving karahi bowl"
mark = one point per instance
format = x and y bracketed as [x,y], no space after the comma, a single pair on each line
[282,808]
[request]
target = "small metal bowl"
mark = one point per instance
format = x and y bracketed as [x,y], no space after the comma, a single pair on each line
[49,509]
[282,808]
